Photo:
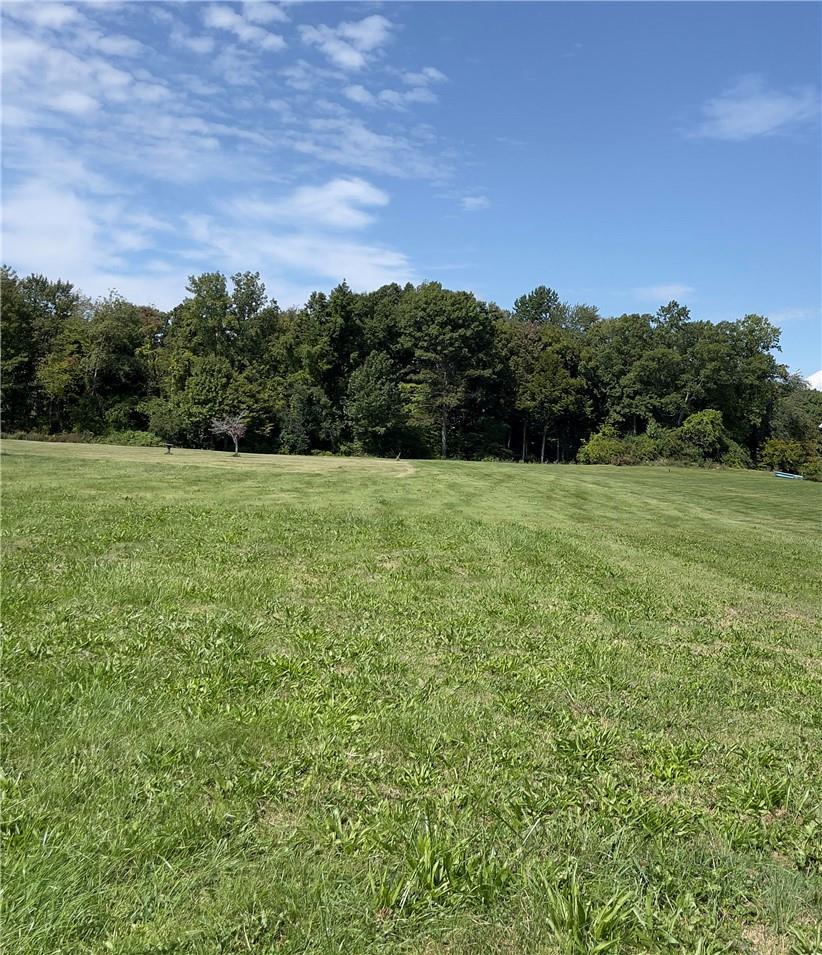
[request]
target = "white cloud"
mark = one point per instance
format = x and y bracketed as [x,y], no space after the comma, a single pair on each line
[348,44]
[301,75]
[236,67]
[221,17]
[400,99]
[179,34]
[359,94]
[75,103]
[286,259]
[368,33]
[110,152]
[19,52]
[53,16]
[260,11]
[474,203]
[112,44]
[36,219]
[38,216]
[73,26]
[750,109]
[337,204]
[664,292]
[349,142]
[794,314]
[396,99]
[108,242]
[197,85]
[340,53]
[191,41]
[427,75]
[283,109]
[815,380]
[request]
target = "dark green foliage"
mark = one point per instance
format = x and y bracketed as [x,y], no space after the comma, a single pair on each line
[308,418]
[373,405]
[702,439]
[418,371]
[705,432]
[780,455]
[608,447]
[812,469]
[449,337]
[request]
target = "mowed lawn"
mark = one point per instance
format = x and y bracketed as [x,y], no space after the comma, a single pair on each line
[283,704]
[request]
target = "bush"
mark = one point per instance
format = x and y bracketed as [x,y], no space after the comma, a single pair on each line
[135,439]
[735,456]
[73,437]
[779,455]
[601,448]
[705,432]
[352,449]
[672,446]
[702,438]
[639,448]
[121,416]
[606,447]
[812,469]
[138,439]
[163,419]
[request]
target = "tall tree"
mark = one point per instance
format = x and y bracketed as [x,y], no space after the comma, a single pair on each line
[448,333]
[373,406]
[540,305]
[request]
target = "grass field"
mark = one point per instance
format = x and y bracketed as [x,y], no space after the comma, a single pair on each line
[283,704]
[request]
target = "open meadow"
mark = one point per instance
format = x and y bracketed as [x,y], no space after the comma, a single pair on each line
[313,704]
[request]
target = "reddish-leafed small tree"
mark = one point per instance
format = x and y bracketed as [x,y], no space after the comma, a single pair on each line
[232,425]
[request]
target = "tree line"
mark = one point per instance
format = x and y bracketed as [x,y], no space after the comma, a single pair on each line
[417,371]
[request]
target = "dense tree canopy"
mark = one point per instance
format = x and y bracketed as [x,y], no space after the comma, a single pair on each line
[416,371]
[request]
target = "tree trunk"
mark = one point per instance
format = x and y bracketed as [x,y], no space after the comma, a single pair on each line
[524,437]
[236,447]
[683,409]
[542,449]
[444,436]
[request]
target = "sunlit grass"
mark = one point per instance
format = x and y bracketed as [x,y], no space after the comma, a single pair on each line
[311,704]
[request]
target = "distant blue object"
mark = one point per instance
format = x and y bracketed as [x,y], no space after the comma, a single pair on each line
[785,474]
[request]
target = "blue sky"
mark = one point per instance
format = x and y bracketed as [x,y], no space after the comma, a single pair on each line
[624,154]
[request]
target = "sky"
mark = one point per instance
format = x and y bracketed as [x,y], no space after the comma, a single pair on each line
[624,154]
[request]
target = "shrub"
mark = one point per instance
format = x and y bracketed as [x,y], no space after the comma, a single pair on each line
[72,437]
[735,456]
[601,448]
[606,447]
[779,455]
[672,446]
[136,439]
[701,438]
[139,439]
[639,448]
[705,432]
[812,469]
[352,449]
[163,419]
[121,416]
